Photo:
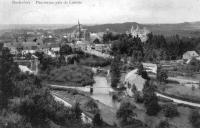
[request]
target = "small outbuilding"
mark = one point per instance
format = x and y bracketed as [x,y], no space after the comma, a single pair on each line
[189,55]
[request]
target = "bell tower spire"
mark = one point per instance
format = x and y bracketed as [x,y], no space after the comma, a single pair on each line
[79,30]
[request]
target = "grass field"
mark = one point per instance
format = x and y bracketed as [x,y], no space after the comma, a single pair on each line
[181,91]
[71,75]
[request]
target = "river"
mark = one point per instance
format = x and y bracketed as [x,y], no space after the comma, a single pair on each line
[101,92]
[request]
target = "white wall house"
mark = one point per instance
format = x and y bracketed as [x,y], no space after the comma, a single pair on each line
[189,55]
[150,67]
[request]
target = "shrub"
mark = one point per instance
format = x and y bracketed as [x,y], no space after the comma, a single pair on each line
[77,110]
[195,118]
[72,75]
[138,97]
[152,107]
[97,120]
[126,112]
[91,106]
[116,97]
[170,110]
[163,124]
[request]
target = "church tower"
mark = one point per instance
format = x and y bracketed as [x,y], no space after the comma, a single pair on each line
[79,30]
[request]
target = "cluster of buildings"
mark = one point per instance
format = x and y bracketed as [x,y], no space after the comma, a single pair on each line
[189,55]
[141,33]
[89,42]
[47,45]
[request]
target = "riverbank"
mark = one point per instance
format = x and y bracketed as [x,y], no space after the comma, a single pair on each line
[107,113]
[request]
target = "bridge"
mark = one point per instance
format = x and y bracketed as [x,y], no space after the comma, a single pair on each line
[97,69]
[88,89]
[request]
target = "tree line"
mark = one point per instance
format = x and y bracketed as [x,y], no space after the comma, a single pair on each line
[157,47]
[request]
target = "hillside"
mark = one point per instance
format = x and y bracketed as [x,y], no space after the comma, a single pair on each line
[190,29]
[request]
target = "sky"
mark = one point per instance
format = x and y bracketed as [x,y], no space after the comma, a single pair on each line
[99,11]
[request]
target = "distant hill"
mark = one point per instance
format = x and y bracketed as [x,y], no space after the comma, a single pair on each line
[189,29]
[33,26]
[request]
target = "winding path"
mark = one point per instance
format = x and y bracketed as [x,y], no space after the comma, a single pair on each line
[179,101]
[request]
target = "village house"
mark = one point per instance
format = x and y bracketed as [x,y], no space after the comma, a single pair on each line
[28,65]
[150,67]
[189,55]
[102,47]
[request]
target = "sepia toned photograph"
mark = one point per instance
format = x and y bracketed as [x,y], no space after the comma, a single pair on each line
[99,63]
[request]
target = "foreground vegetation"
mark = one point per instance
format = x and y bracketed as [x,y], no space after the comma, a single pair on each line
[28,103]
[71,75]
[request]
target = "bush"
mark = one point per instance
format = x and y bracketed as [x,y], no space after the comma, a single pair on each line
[195,118]
[163,124]
[170,110]
[117,97]
[91,106]
[138,97]
[72,75]
[97,120]
[77,110]
[126,112]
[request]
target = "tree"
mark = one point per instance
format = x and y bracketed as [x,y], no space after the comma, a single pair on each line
[194,65]
[9,71]
[97,120]
[138,97]
[142,72]
[170,110]
[161,75]
[150,99]
[77,110]
[126,112]
[163,124]
[47,63]
[65,50]
[96,41]
[115,71]
[62,61]
[195,118]
[140,69]
[92,106]
[34,107]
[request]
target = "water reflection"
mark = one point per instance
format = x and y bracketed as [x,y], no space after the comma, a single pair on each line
[101,92]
